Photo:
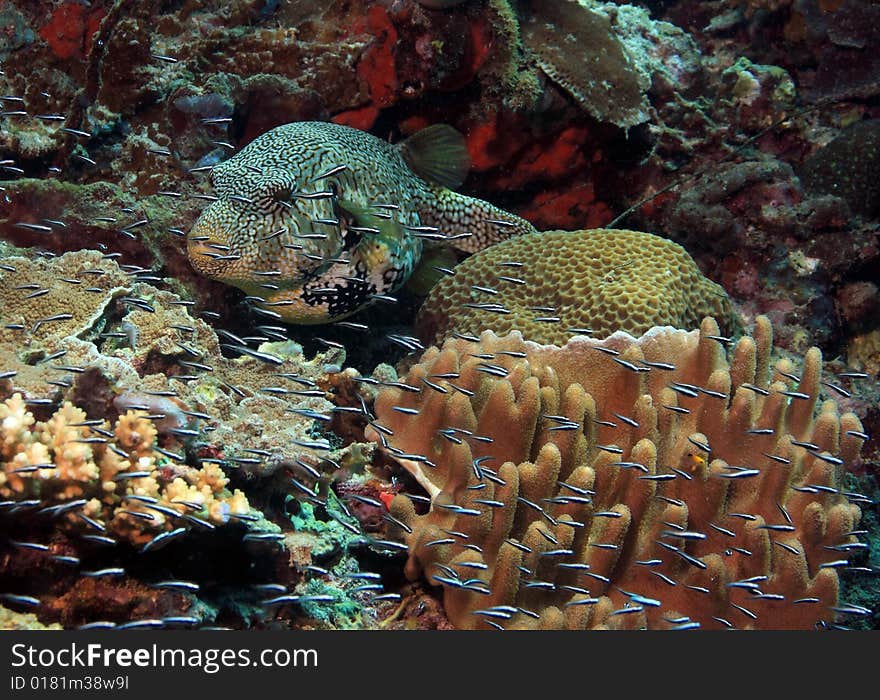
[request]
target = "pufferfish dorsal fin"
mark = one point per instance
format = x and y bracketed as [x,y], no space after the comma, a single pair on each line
[437,154]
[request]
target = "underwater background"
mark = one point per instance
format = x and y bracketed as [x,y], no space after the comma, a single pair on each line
[439,314]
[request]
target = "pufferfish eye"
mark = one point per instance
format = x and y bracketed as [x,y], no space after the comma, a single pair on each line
[281,195]
[276,192]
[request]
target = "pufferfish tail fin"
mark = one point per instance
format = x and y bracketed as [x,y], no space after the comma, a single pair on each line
[470,224]
[437,154]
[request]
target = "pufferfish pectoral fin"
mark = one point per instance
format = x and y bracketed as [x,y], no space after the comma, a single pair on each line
[384,248]
[358,222]
[430,270]
[437,154]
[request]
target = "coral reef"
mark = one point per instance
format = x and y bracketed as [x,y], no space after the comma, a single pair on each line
[49,307]
[608,55]
[556,284]
[846,40]
[742,130]
[649,484]
[120,437]
[590,63]
[88,508]
[759,95]
[774,248]
[213,77]
[138,231]
[127,345]
[863,352]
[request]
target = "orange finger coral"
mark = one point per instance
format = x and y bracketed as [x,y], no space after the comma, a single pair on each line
[635,483]
[555,284]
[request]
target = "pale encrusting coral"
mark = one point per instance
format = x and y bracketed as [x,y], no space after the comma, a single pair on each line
[122,344]
[22,621]
[140,421]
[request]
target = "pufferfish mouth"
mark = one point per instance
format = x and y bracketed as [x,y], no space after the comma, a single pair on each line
[208,254]
[208,247]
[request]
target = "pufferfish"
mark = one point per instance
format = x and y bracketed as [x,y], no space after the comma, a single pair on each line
[315,220]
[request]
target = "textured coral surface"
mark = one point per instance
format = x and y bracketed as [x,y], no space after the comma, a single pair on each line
[589,62]
[47,306]
[556,284]
[627,483]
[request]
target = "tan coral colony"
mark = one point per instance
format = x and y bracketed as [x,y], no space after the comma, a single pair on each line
[623,483]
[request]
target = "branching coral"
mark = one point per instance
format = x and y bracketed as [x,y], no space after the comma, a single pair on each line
[554,284]
[624,483]
[120,485]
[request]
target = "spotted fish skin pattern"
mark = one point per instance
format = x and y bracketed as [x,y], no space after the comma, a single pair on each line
[315,247]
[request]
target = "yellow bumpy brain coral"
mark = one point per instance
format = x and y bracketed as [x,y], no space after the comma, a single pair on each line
[555,284]
[642,482]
